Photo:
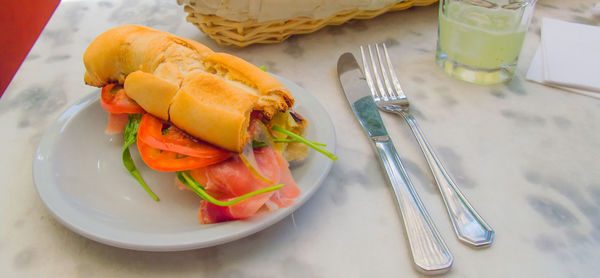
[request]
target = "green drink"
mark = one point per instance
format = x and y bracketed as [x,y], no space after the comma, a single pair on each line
[480,41]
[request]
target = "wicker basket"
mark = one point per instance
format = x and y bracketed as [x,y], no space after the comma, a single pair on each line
[228,32]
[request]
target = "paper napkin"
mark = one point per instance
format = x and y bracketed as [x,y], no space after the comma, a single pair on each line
[568,57]
[536,74]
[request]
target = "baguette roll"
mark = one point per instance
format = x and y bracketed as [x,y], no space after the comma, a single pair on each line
[151,93]
[270,90]
[208,105]
[209,95]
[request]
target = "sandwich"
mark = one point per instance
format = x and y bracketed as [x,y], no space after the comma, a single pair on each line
[226,127]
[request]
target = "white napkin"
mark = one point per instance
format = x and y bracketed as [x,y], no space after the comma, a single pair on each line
[568,57]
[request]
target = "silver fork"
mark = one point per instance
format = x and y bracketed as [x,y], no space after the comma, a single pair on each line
[389,97]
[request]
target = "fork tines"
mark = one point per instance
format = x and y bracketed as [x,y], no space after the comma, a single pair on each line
[380,74]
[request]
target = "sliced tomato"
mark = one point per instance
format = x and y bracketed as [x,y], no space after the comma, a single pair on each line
[161,160]
[173,139]
[114,100]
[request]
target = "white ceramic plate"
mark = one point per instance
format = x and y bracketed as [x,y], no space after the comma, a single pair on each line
[80,178]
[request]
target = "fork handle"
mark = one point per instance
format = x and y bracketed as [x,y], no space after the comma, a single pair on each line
[429,251]
[468,224]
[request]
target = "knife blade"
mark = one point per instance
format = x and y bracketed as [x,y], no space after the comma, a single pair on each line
[356,90]
[429,251]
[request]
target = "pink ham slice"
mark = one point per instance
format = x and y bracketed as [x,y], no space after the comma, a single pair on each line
[285,196]
[116,123]
[230,179]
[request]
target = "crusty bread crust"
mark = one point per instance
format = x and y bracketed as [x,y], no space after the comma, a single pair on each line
[270,90]
[210,95]
[208,104]
[154,94]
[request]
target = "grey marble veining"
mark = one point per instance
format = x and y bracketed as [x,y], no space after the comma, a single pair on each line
[526,156]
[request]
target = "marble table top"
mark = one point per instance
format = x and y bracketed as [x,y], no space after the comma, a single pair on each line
[526,155]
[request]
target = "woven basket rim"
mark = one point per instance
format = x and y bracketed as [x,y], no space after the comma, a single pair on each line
[244,33]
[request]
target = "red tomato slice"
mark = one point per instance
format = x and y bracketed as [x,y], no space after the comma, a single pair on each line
[161,160]
[114,100]
[174,139]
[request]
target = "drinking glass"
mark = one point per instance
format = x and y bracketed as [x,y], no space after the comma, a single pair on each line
[479,41]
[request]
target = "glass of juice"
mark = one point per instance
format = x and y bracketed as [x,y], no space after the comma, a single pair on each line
[479,41]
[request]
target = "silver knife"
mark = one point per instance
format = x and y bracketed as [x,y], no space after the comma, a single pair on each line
[429,251]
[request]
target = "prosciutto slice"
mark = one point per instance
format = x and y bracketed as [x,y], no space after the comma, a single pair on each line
[285,196]
[116,123]
[231,178]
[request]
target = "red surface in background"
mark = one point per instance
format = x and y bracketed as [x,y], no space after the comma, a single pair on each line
[21,22]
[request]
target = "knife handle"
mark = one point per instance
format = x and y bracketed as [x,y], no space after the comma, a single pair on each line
[429,251]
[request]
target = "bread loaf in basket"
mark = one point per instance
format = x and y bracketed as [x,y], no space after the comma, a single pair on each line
[245,22]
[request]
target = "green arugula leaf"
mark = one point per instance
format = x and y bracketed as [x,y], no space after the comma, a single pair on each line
[129,136]
[303,140]
[286,140]
[259,144]
[187,180]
